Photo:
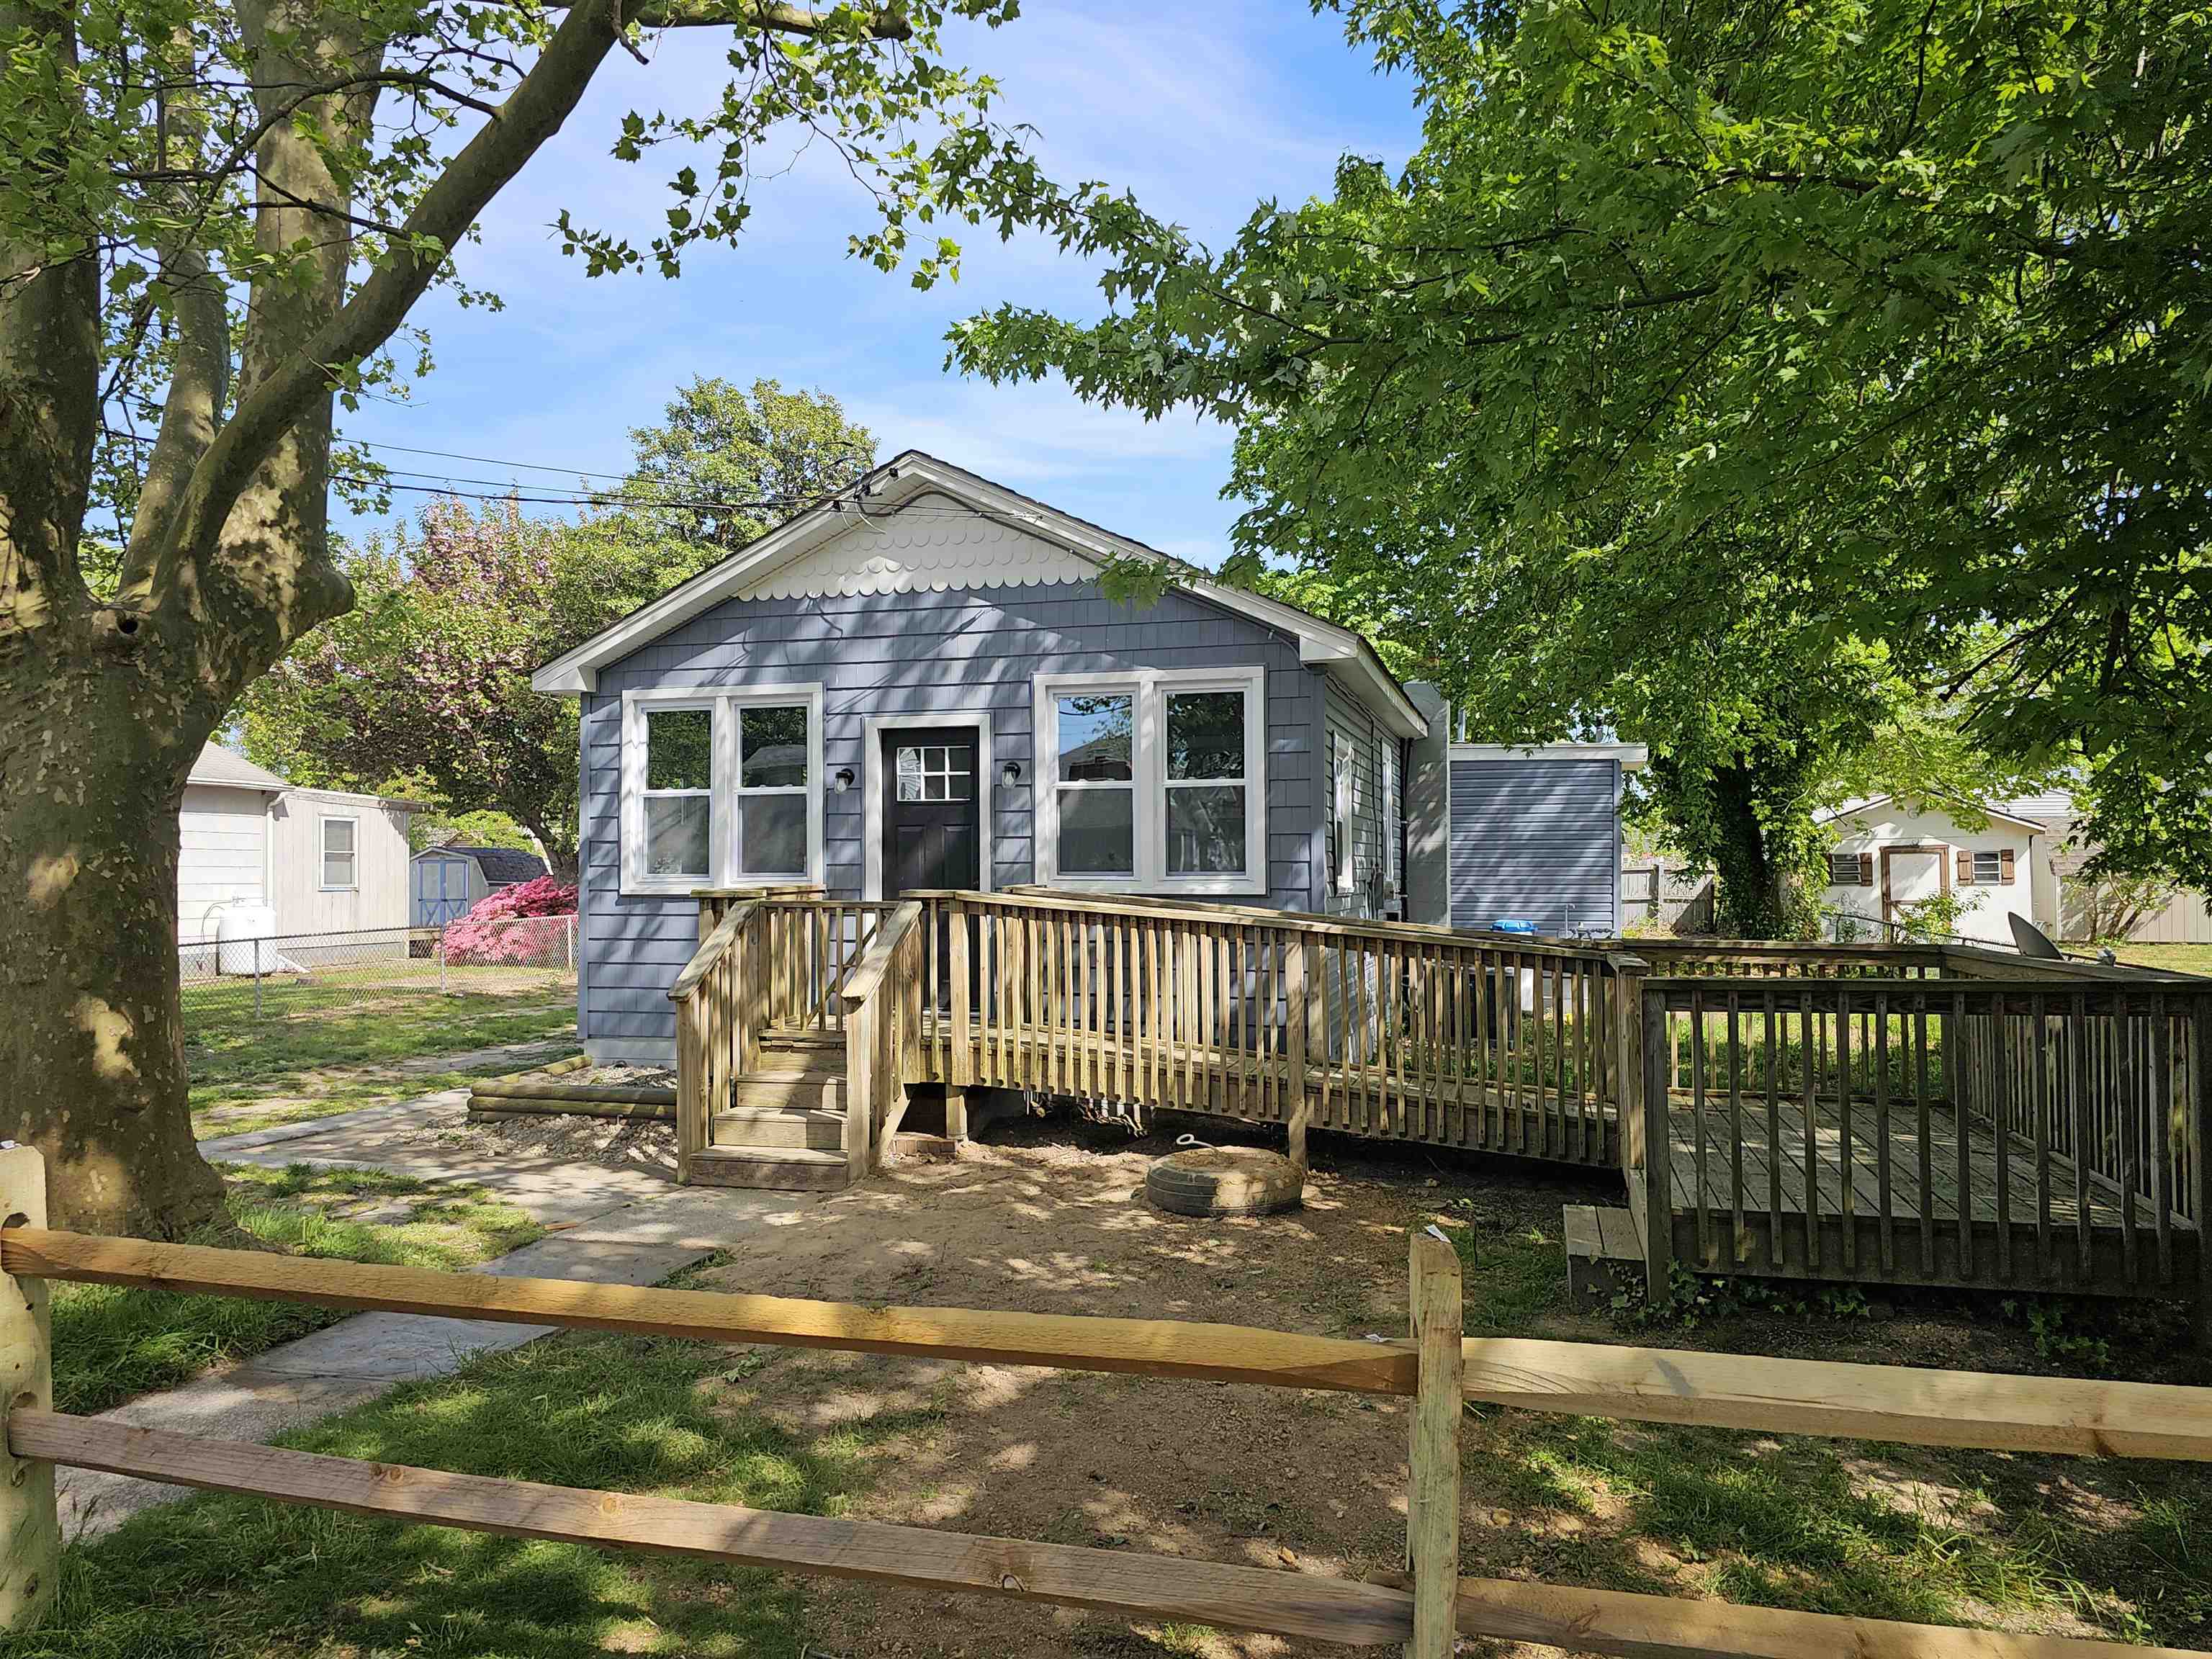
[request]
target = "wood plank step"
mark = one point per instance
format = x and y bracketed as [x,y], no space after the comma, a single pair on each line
[811,1091]
[780,1169]
[1604,1255]
[792,1041]
[769,1127]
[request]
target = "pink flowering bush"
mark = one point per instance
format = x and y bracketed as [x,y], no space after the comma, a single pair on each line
[524,926]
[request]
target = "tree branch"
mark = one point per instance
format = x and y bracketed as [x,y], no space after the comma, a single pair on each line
[287,389]
[884,23]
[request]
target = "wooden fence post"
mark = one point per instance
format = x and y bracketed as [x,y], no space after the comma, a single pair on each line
[1432,1499]
[29,1521]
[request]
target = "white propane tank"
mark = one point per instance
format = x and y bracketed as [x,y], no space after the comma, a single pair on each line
[246,934]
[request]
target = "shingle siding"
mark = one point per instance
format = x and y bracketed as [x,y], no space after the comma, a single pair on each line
[1536,841]
[927,654]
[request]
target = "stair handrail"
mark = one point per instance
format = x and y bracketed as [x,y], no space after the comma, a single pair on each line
[868,973]
[877,1037]
[717,1021]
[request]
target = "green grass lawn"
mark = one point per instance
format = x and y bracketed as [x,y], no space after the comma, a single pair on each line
[111,1342]
[331,1052]
[1931,1535]
[222,1576]
[2175,958]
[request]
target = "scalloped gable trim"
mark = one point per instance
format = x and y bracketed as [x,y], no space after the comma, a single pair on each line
[931,543]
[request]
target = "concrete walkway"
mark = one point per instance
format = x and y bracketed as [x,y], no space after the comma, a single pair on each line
[618,1227]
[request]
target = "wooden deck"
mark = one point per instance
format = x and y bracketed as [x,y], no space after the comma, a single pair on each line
[1808,1112]
[2028,1221]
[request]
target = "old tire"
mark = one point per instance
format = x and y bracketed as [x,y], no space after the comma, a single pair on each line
[1223,1181]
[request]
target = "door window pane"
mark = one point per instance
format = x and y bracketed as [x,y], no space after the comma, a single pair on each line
[772,748]
[679,749]
[1205,830]
[675,835]
[772,834]
[1097,738]
[1206,734]
[935,772]
[1097,832]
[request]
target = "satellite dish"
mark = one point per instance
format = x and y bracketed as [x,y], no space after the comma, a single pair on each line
[2031,940]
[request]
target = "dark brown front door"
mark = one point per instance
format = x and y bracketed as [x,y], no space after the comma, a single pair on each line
[933,809]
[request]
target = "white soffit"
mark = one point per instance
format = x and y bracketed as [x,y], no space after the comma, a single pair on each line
[931,543]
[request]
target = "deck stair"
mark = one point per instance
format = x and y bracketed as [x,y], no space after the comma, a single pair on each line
[783,1127]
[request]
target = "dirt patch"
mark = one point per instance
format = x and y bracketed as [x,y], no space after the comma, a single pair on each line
[1052,1217]
[616,1143]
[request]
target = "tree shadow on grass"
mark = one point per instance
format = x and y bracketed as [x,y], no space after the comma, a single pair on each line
[220,1576]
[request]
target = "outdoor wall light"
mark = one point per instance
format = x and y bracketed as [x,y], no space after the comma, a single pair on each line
[1012,774]
[843,780]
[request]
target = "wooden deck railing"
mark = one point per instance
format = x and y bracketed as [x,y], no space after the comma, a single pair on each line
[880,1003]
[1380,1030]
[1873,1111]
[722,1002]
[2037,1133]
[1434,1366]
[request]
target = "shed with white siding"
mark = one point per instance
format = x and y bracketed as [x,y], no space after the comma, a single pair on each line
[1891,857]
[323,860]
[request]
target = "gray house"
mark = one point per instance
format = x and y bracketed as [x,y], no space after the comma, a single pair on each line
[919,683]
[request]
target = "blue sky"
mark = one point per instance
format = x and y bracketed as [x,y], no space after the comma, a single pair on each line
[1202,109]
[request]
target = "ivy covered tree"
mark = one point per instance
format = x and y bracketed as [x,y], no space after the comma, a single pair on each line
[1742,377]
[215,219]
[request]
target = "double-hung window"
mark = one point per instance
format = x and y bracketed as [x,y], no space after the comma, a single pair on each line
[679,793]
[341,851]
[719,788]
[1152,780]
[1094,781]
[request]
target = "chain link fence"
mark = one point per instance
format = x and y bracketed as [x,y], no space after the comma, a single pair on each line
[226,980]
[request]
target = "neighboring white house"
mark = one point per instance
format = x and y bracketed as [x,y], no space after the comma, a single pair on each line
[322,860]
[1889,857]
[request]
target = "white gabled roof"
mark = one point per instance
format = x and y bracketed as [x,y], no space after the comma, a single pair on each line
[219,768]
[1082,546]
[1852,808]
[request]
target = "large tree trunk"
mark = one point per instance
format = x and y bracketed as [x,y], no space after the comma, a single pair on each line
[91,770]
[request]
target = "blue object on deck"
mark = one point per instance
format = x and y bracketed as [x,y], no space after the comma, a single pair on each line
[1508,924]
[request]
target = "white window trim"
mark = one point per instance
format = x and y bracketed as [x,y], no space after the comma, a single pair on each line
[873,785]
[1150,687]
[323,854]
[1344,802]
[722,798]
[1394,821]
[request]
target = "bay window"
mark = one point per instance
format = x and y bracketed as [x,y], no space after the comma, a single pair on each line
[719,788]
[1152,780]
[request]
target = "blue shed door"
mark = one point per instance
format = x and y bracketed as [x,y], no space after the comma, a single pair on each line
[1536,841]
[441,892]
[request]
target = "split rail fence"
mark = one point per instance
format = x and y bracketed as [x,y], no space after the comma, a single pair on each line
[1434,1367]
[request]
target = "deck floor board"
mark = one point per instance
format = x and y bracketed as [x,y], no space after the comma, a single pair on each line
[2022,1198]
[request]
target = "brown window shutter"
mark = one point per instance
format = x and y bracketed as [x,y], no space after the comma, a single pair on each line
[1965,868]
[1866,869]
[2006,856]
